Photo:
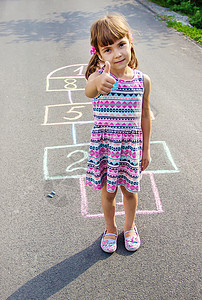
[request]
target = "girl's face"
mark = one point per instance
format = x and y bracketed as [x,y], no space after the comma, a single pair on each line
[117,54]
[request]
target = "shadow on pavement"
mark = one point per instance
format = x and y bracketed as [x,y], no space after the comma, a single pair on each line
[65,27]
[57,277]
[72,26]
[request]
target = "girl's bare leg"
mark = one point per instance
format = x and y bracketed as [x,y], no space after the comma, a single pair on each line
[108,206]
[130,201]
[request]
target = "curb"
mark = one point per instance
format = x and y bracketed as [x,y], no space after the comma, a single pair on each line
[159,10]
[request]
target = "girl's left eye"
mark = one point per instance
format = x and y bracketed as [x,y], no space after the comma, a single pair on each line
[122,44]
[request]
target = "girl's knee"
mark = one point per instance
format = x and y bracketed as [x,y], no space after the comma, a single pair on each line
[109,196]
[127,194]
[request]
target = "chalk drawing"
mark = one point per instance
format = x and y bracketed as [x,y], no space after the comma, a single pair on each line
[169,157]
[75,112]
[85,156]
[69,148]
[74,134]
[78,113]
[69,96]
[72,159]
[61,79]
[70,84]
[81,70]
[152,115]
[85,203]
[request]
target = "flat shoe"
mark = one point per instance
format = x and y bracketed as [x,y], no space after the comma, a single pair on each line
[132,243]
[109,245]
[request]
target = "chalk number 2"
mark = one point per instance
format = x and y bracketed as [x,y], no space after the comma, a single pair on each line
[84,157]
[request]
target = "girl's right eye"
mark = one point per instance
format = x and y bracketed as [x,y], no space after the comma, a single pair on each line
[122,44]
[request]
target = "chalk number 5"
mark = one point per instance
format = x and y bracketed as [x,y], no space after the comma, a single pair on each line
[78,113]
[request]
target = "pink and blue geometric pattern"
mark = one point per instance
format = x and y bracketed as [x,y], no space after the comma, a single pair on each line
[116,140]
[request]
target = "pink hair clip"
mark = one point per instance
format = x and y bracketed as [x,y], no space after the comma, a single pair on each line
[131,36]
[92,51]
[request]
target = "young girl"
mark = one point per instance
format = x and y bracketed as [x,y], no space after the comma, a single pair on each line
[120,139]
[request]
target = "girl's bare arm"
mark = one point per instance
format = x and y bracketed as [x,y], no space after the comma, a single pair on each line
[146,123]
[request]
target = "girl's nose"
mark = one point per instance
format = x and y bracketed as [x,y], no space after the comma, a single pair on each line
[117,53]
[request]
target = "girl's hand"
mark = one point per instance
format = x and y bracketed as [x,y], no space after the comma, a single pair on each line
[105,81]
[145,159]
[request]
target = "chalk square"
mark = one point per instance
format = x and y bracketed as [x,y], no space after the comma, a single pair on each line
[63,114]
[68,83]
[57,162]
[162,161]
[67,161]
[82,132]
[78,97]
[93,210]
[67,78]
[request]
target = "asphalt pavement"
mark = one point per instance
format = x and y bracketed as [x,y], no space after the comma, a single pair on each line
[50,243]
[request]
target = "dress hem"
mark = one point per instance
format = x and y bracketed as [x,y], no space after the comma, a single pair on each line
[110,191]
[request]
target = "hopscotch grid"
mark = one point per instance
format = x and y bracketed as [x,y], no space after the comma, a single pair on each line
[61,105]
[63,123]
[46,174]
[70,97]
[74,137]
[46,115]
[84,200]
[48,77]
[45,165]
[65,90]
[155,192]
[67,77]
[68,104]
[66,146]
[169,156]
[74,134]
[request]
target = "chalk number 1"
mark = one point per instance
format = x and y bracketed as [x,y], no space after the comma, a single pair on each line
[80,69]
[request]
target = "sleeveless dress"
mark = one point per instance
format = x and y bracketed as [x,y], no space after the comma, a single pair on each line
[115,152]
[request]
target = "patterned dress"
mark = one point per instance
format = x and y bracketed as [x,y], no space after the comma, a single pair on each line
[115,152]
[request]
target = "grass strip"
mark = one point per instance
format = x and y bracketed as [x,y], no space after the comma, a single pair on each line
[192,32]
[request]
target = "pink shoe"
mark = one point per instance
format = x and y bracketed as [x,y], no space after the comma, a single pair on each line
[132,243]
[109,245]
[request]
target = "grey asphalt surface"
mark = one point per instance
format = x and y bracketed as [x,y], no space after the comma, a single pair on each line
[50,247]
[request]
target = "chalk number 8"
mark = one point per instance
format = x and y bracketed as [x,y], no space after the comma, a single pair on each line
[70,84]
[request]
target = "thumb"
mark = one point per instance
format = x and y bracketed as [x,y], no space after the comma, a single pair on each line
[107,67]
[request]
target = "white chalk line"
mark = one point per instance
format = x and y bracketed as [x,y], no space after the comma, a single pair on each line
[45,161]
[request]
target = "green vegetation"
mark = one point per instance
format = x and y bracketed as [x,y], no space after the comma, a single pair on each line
[190,8]
[192,32]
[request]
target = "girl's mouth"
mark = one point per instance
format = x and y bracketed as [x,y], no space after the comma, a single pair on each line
[120,61]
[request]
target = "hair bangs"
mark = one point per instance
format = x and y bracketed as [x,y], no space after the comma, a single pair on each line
[108,34]
[108,30]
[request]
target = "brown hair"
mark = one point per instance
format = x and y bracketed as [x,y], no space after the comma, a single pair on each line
[105,32]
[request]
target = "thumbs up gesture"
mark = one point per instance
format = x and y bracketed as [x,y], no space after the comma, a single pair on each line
[105,81]
[107,67]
